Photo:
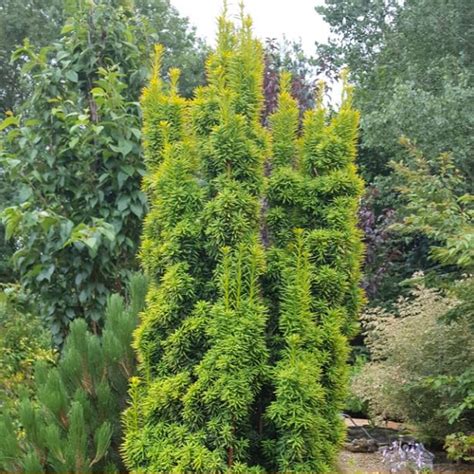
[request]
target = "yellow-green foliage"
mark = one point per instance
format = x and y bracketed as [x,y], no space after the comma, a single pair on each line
[254,256]
[23,342]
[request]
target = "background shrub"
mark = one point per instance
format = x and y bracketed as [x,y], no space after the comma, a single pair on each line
[417,371]
[23,342]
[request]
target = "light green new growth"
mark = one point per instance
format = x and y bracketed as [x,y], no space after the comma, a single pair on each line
[254,255]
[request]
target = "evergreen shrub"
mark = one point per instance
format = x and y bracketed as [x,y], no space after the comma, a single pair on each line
[254,255]
[71,424]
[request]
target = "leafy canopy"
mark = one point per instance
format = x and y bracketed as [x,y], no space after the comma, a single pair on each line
[73,160]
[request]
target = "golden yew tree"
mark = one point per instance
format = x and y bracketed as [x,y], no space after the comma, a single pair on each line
[254,255]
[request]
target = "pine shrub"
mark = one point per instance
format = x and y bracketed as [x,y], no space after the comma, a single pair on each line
[254,256]
[72,423]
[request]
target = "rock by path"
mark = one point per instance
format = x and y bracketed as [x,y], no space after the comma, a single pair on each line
[371,463]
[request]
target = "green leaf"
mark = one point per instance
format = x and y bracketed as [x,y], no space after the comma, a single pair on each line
[67,28]
[46,273]
[9,121]
[11,217]
[48,221]
[97,92]
[124,147]
[129,170]
[25,193]
[84,295]
[72,75]
[91,242]
[123,202]
[137,133]
[108,231]
[121,178]
[137,209]
[12,163]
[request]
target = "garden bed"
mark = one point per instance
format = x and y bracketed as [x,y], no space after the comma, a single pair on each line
[372,462]
[365,463]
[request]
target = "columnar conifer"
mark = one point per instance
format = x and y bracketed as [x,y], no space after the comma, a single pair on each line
[253,252]
[313,194]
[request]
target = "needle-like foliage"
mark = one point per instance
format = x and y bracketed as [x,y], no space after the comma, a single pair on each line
[252,249]
[72,423]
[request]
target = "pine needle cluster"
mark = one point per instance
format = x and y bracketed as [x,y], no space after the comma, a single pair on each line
[72,423]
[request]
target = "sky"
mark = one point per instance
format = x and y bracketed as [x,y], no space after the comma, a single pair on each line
[295,19]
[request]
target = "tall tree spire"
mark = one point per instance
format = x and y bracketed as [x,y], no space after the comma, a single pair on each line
[243,343]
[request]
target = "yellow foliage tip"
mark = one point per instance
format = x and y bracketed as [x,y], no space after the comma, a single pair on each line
[165,130]
[245,19]
[347,89]
[224,28]
[175,74]
[285,82]
[156,65]
[320,90]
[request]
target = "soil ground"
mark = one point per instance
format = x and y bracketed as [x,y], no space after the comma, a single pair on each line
[371,463]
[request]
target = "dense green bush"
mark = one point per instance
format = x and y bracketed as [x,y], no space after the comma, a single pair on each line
[460,447]
[436,204]
[421,368]
[422,362]
[253,254]
[73,153]
[23,341]
[71,424]
[72,157]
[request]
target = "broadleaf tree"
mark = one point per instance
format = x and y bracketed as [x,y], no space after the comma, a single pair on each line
[72,156]
[39,21]
[254,258]
[411,84]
